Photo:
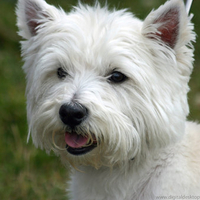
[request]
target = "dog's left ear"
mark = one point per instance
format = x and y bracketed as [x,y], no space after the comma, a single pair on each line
[169,25]
[32,15]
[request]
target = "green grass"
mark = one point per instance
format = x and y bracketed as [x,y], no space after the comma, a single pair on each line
[26,172]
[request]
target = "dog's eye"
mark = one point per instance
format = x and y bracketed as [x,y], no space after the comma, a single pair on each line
[61,73]
[117,77]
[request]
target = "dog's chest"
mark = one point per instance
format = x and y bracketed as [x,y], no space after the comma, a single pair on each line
[104,185]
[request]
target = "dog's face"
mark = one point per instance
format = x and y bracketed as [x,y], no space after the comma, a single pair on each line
[104,87]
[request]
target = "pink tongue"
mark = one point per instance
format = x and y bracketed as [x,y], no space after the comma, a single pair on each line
[74,140]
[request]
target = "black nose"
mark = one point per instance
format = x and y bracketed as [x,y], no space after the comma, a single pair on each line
[73,114]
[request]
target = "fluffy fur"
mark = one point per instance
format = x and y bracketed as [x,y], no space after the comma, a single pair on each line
[145,146]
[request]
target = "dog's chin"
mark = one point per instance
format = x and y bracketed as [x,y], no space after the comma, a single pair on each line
[77,144]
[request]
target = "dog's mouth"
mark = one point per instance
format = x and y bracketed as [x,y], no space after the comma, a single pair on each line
[77,144]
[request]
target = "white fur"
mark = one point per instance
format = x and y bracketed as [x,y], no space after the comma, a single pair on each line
[146,148]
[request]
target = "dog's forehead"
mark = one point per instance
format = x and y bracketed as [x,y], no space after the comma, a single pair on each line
[99,24]
[97,35]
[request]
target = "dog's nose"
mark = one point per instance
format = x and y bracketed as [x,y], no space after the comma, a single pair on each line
[73,114]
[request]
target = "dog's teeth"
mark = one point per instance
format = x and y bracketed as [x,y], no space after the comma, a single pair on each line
[88,143]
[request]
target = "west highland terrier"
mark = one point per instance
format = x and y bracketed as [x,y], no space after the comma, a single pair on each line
[107,92]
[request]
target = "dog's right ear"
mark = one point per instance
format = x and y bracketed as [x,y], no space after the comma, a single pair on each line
[32,15]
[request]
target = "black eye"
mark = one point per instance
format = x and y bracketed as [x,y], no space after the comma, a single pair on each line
[117,77]
[61,73]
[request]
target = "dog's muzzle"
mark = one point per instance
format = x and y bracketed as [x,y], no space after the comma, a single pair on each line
[73,115]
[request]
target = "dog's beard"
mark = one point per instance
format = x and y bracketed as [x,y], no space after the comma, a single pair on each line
[113,137]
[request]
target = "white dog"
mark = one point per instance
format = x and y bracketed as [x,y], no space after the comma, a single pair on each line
[108,93]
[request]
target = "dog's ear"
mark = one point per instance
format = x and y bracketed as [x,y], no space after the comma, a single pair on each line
[169,24]
[32,15]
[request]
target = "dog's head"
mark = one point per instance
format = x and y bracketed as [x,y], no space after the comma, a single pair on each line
[103,87]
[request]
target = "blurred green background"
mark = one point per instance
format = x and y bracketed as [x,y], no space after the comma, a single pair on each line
[27,172]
